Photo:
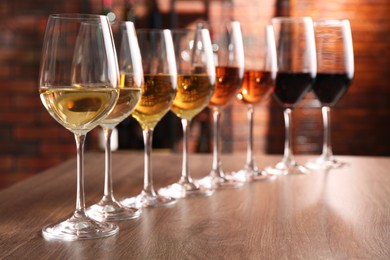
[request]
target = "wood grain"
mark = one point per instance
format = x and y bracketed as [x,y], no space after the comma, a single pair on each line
[341,214]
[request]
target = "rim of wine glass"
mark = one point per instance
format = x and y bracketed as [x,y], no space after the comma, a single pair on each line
[292,19]
[182,31]
[76,16]
[151,30]
[330,22]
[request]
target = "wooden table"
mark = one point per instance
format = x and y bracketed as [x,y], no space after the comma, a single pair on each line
[341,214]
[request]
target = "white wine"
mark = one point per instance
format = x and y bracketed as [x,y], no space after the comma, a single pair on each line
[78,109]
[193,94]
[129,96]
[156,99]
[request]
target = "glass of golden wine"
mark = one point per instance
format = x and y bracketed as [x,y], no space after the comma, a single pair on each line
[196,78]
[229,66]
[78,85]
[160,83]
[130,85]
[260,73]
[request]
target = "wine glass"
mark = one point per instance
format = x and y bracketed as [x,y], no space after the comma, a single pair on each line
[296,56]
[131,81]
[229,68]
[196,78]
[160,82]
[78,85]
[335,71]
[260,73]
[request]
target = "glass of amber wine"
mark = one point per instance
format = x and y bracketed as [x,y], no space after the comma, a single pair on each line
[196,78]
[160,82]
[78,85]
[297,68]
[131,82]
[229,69]
[335,71]
[260,73]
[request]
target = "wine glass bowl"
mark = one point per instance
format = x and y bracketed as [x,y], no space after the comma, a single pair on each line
[130,84]
[335,71]
[296,61]
[160,83]
[260,73]
[196,77]
[78,85]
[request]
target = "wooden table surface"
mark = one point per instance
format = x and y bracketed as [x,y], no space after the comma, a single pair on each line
[341,214]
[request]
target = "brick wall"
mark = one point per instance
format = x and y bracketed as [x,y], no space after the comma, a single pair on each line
[31,141]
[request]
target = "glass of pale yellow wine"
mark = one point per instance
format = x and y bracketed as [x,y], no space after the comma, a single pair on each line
[130,85]
[78,85]
[195,86]
[160,82]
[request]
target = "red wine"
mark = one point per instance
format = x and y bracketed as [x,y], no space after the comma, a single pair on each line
[330,87]
[290,87]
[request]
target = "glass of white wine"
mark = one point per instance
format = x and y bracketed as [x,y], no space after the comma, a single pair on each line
[196,78]
[160,82]
[78,85]
[131,82]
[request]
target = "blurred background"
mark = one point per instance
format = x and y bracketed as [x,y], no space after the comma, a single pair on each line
[31,141]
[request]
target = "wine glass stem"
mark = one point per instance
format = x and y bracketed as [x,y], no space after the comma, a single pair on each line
[80,196]
[250,162]
[326,147]
[148,179]
[185,176]
[217,165]
[108,165]
[288,157]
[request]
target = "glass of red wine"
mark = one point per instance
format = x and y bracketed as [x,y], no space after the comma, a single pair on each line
[296,60]
[256,88]
[335,70]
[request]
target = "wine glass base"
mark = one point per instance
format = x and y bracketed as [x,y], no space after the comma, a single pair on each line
[249,175]
[325,164]
[79,228]
[283,168]
[146,201]
[179,190]
[112,211]
[216,182]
